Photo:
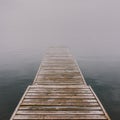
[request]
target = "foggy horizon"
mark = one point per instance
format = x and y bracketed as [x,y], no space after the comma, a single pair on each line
[88,28]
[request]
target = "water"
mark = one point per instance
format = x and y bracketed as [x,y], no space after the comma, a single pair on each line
[18,71]
[103,74]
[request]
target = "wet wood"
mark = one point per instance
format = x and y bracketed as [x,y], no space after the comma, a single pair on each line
[59,91]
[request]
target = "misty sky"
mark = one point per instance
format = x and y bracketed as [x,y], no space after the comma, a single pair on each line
[87,27]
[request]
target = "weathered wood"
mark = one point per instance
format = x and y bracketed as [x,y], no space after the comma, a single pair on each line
[59,112]
[58,76]
[59,108]
[56,117]
[51,104]
[59,91]
[60,97]
[61,100]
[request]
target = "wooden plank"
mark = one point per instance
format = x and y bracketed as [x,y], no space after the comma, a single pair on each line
[38,112]
[39,83]
[59,71]
[59,104]
[58,68]
[58,59]
[58,76]
[48,55]
[59,86]
[68,96]
[61,80]
[58,62]
[58,82]
[60,92]
[59,108]
[36,117]
[58,65]
[46,101]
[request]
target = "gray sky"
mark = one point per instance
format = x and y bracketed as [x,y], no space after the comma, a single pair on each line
[87,27]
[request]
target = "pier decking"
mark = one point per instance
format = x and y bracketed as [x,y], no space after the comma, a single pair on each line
[59,91]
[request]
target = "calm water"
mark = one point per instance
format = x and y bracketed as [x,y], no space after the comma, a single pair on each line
[104,77]
[17,72]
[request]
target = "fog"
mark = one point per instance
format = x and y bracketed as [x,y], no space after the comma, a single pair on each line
[87,27]
[90,28]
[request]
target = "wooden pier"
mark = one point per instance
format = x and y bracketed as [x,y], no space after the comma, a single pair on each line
[59,91]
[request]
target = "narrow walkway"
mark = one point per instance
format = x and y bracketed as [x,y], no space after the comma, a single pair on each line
[59,91]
